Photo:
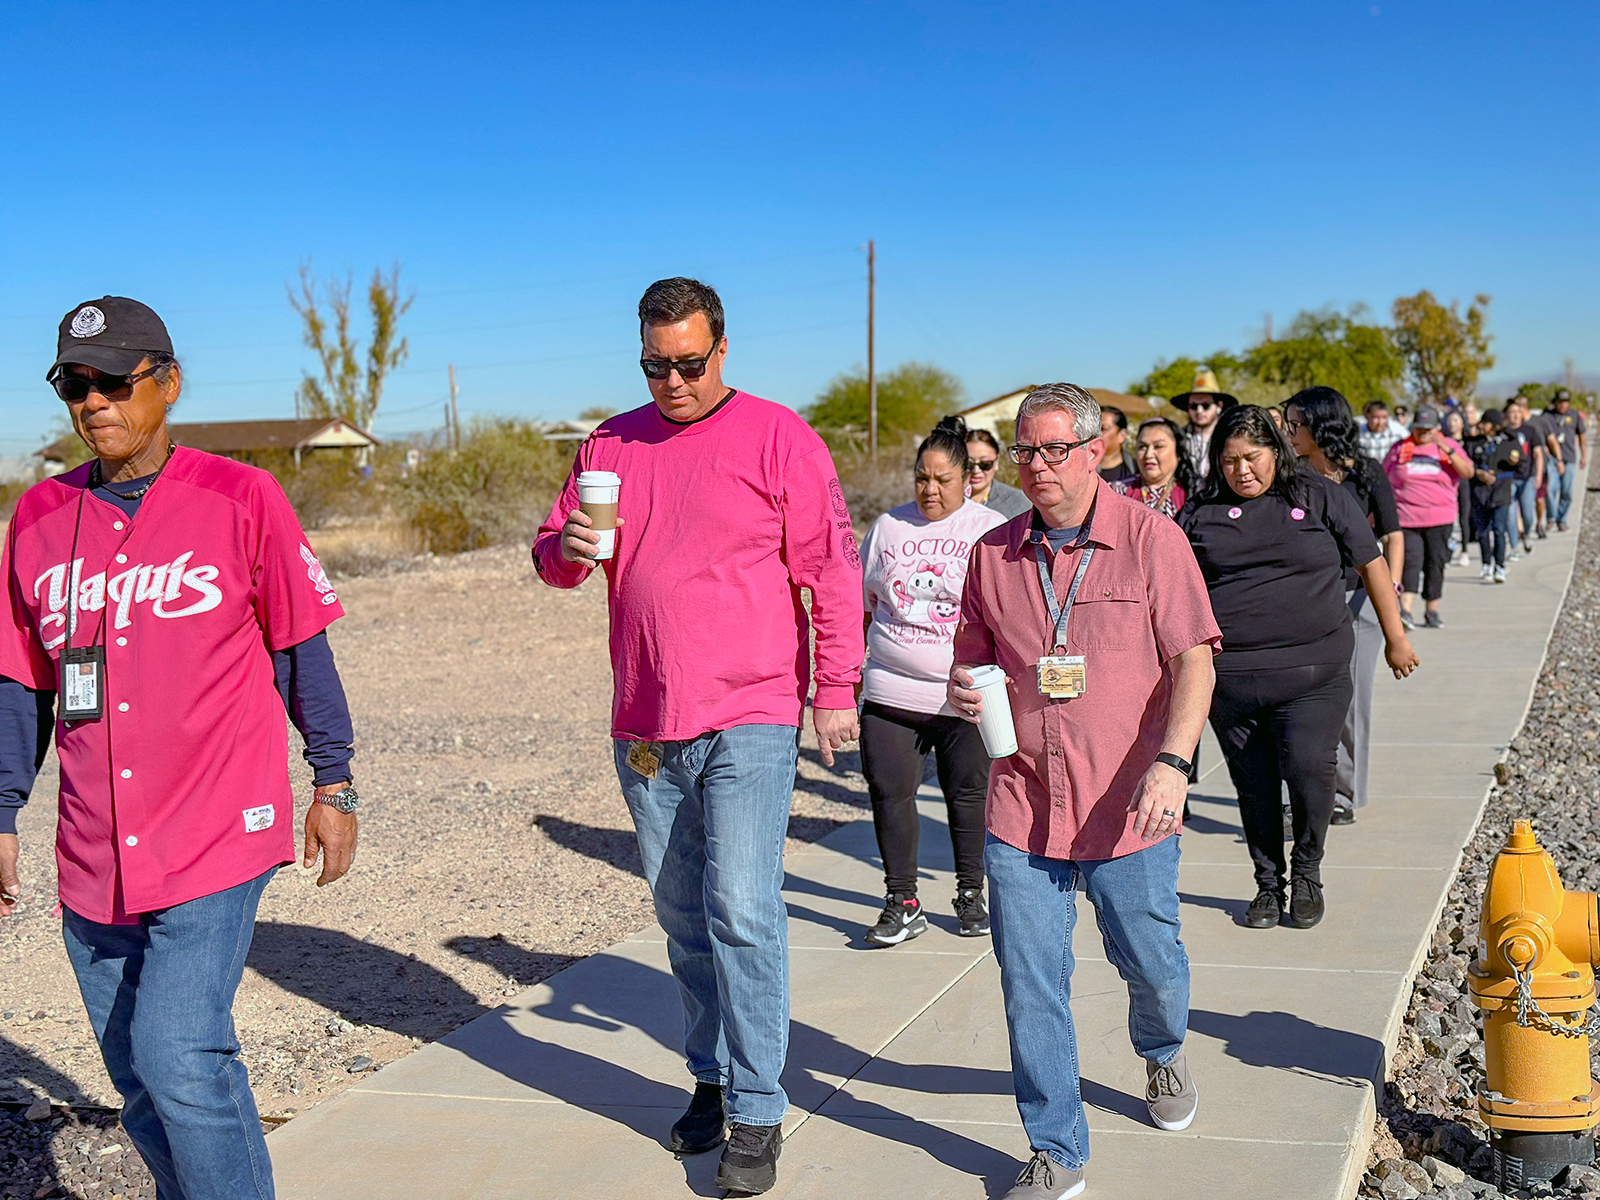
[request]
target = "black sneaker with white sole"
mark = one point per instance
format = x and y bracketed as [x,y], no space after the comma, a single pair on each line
[900,921]
[972,912]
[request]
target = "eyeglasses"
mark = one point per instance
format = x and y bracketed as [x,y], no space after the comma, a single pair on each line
[1292,426]
[76,388]
[1053,453]
[981,465]
[688,368]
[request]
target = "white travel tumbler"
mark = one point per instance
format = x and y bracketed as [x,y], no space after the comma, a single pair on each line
[598,492]
[994,718]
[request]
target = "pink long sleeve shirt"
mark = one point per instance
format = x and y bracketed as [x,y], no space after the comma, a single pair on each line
[723,522]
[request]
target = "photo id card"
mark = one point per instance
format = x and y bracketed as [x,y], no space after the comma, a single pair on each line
[645,758]
[83,679]
[1062,676]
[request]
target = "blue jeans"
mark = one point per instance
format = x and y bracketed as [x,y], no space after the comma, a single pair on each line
[1033,909]
[1492,528]
[1524,499]
[160,1001]
[1558,494]
[711,826]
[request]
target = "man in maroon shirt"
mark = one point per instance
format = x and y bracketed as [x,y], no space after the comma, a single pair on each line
[1109,688]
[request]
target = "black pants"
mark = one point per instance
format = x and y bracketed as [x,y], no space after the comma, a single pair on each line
[1427,555]
[1282,726]
[894,747]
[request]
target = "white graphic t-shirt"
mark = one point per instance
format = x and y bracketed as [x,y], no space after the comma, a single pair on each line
[914,570]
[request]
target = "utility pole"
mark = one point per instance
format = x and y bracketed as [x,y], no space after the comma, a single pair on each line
[447,438]
[872,375]
[455,415]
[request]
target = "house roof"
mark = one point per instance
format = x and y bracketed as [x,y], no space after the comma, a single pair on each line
[233,437]
[1004,407]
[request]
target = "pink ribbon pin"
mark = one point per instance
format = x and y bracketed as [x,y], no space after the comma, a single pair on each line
[1235,513]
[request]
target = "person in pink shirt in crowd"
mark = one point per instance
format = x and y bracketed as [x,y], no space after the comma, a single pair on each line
[915,559]
[1095,608]
[1425,469]
[729,506]
[152,598]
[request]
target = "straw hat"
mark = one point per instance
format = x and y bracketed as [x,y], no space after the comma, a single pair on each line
[1205,384]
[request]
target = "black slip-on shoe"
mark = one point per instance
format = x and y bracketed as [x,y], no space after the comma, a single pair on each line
[750,1160]
[704,1123]
[1265,911]
[1343,814]
[1305,904]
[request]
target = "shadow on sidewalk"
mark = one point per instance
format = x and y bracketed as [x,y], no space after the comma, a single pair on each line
[1286,1042]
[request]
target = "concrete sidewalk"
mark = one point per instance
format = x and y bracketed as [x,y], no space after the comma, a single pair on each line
[898,1066]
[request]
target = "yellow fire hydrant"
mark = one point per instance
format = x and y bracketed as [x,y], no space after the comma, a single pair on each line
[1534,979]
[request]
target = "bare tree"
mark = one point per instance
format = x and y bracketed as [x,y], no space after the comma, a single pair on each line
[351,385]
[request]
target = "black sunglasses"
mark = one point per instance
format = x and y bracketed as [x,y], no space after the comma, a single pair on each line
[688,368]
[982,464]
[75,388]
[1053,453]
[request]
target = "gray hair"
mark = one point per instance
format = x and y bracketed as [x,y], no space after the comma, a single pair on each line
[1068,398]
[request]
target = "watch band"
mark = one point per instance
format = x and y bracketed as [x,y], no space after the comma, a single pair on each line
[1176,763]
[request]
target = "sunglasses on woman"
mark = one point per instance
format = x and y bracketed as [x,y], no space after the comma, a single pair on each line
[981,465]
[76,388]
[688,368]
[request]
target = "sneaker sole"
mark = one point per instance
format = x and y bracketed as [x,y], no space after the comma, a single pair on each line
[1177,1126]
[1294,923]
[915,929]
[984,932]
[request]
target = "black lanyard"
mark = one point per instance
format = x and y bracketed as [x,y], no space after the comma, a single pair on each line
[1061,614]
[96,474]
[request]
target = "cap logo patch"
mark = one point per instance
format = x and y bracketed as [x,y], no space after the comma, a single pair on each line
[87,322]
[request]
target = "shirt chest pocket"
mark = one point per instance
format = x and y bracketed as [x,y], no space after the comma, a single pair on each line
[1111,617]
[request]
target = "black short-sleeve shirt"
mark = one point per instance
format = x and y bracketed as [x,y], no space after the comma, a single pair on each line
[1369,486]
[1276,572]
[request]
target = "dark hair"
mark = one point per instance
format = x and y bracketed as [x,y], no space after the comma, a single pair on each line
[1184,476]
[983,435]
[1256,426]
[1373,406]
[668,301]
[164,365]
[1330,422]
[1117,415]
[949,438]
[1445,420]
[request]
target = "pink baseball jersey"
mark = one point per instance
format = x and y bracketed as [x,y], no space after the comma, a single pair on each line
[182,788]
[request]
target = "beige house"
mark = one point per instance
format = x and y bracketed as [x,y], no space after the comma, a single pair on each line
[240,439]
[999,416]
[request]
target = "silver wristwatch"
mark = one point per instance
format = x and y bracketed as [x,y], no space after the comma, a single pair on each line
[345,799]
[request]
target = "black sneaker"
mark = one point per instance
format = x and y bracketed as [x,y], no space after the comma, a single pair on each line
[1343,814]
[1542,531]
[750,1161]
[1305,904]
[1433,621]
[703,1123]
[1265,911]
[972,912]
[900,921]
[1405,619]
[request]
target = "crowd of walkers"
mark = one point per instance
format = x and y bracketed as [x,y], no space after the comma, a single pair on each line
[1246,567]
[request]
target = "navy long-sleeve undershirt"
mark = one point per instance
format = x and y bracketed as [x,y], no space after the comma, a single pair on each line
[305,675]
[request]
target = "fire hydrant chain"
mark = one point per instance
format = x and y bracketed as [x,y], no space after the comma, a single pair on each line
[1529,1014]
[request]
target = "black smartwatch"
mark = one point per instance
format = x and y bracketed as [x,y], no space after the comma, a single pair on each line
[1176,763]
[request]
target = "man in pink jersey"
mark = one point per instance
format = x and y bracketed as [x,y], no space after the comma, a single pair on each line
[161,609]
[729,506]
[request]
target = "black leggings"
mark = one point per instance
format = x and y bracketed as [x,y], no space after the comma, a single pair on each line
[1280,726]
[1427,555]
[894,748]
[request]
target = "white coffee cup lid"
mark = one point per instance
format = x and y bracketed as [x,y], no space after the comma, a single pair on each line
[986,676]
[598,479]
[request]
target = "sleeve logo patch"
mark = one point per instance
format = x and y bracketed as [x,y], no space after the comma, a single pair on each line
[257,819]
[317,576]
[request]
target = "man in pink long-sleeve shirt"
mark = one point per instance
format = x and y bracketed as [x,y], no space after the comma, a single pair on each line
[729,506]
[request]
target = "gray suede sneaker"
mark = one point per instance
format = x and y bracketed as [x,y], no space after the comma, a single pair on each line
[1045,1179]
[1170,1094]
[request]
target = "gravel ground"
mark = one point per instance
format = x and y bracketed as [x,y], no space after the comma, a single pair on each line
[1430,1140]
[495,849]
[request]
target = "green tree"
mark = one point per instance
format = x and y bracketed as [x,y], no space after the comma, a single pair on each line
[1176,376]
[1444,352]
[911,398]
[1331,349]
[597,412]
[352,381]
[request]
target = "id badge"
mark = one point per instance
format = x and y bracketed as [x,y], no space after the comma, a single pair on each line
[645,758]
[83,683]
[1062,676]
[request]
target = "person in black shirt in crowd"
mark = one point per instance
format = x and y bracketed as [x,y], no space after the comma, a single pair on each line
[1323,432]
[1118,464]
[1273,542]
[1528,473]
[1494,463]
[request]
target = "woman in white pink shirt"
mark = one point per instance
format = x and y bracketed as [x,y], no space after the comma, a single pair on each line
[915,562]
[1425,471]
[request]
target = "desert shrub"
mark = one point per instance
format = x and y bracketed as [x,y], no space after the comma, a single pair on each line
[325,485]
[494,490]
[10,493]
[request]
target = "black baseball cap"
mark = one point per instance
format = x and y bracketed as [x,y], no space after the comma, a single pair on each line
[1561,394]
[1493,417]
[111,334]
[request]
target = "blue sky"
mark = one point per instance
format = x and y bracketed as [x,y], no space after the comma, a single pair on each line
[1056,190]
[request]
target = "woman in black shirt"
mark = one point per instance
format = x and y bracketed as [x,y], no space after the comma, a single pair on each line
[1273,543]
[1322,430]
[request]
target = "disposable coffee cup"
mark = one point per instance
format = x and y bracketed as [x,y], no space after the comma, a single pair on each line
[994,718]
[597,495]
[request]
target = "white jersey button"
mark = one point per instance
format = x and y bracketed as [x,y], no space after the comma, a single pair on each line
[127,774]
[132,841]
[116,524]
[123,707]
[121,558]
[122,641]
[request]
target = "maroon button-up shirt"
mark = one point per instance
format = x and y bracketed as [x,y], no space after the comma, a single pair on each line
[1065,793]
